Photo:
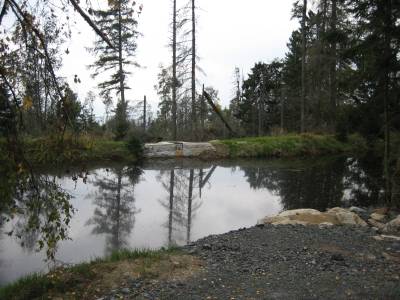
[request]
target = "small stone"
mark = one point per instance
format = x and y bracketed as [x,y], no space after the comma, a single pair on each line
[377,238]
[207,247]
[125,291]
[375,229]
[325,225]
[370,257]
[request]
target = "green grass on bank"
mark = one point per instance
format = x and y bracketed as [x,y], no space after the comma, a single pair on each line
[41,151]
[289,146]
[85,277]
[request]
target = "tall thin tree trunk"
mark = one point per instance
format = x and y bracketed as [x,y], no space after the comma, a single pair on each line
[387,53]
[283,94]
[303,67]
[332,69]
[194,114]
[144,112]
[174,79]
[260,116]
[121,71]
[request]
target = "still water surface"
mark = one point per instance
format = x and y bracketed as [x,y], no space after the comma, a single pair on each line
[174,202]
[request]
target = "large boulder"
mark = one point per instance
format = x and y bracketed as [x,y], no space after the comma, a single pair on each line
[178,149]
[346,217]
[378,217]
[393,226]
[334,216]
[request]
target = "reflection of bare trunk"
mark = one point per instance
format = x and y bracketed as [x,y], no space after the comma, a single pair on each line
[200,181]
[171,206]
[208,176]
[117,213]
[189,213]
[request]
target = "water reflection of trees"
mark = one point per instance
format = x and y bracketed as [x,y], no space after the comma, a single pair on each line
[319,185]
[366,180]
[322,183]
[37,210]
[114,215]
[182,202]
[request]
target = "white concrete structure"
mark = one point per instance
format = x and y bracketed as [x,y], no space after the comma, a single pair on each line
[178,149]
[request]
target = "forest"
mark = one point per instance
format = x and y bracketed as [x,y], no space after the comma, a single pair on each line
[338,82]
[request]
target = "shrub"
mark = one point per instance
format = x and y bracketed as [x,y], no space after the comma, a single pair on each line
[135,146]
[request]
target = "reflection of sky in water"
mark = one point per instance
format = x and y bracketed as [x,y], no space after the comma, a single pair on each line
[227,203]
[236,195]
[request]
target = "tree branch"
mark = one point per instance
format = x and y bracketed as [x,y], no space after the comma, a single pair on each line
[91,23]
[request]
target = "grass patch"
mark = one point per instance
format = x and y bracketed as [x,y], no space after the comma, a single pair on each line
[134,254]
[289,146]
[47,150]
[94,279]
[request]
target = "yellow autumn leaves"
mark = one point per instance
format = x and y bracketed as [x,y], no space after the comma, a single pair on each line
[27,103]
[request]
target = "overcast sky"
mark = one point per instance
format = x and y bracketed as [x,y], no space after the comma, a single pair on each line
[230,33]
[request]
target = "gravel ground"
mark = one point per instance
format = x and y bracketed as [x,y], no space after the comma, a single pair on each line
[286,262]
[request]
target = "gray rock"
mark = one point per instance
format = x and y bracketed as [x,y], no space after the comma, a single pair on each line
[393,226]
[376,224]
[357,210]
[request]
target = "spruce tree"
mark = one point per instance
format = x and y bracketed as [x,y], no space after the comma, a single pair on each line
[119,24]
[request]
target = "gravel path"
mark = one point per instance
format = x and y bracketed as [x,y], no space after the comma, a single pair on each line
[288,262]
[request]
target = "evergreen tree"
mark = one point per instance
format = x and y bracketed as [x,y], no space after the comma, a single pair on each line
[118,22]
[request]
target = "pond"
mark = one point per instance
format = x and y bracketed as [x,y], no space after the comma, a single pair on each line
[173,202]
